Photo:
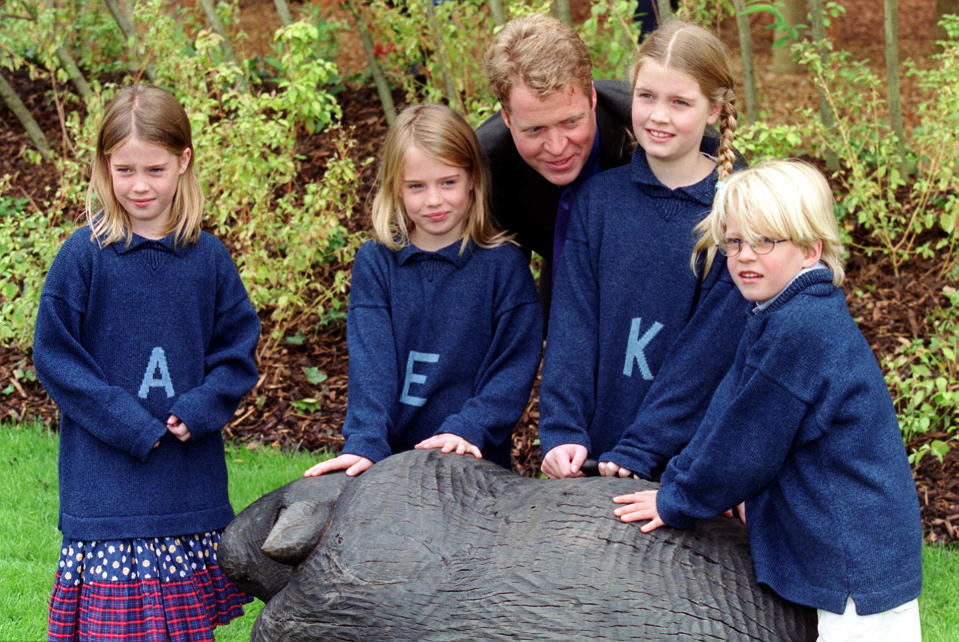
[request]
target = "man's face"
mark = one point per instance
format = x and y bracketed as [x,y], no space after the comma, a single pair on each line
[554,135]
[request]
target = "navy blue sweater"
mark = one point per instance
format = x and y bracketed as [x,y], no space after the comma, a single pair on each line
[439,342]
[126,336]
[637,343]
[803,429]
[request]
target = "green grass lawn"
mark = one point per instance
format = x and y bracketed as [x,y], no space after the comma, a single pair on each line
[29,540]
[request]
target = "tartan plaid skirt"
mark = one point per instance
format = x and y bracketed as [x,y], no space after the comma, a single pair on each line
[162,588]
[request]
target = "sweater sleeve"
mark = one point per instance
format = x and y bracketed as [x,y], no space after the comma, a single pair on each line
[738,451]
[504,381]
[677,400]
[230,359]
[373,375]
[70,374]
[567,389]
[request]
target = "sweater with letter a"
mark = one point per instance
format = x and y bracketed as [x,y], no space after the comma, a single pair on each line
[127,335]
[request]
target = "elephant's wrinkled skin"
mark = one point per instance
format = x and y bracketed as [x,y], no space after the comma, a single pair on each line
[431,546]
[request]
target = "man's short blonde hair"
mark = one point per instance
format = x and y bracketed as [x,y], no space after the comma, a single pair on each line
[543,53]
[781,199]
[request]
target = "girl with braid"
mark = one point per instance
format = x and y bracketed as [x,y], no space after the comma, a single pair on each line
[637,341]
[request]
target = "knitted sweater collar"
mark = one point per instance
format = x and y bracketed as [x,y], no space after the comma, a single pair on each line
[450,253]
[815,275]
[166,243]
[702,192]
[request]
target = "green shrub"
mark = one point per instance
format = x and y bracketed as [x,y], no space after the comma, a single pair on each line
[923,377]
[289,240]
[873,192]
[28,242]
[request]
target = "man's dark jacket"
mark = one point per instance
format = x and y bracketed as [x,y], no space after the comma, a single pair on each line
[524,202]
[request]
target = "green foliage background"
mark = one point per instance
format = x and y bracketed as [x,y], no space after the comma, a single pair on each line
[291,239]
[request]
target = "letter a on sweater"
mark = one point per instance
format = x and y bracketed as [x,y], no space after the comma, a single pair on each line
[150,380]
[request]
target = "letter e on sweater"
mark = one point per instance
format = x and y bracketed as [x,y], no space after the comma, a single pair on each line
[412,377]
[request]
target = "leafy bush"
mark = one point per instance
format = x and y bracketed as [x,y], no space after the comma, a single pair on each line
[28,242]
[923,377]
[612,36]
[289,241]
[874,191]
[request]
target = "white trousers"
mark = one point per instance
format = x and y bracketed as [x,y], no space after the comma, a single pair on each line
[899,624]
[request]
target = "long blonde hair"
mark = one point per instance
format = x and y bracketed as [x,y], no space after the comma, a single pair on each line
[783,199]
[154,116]
[693,50]
[444,136]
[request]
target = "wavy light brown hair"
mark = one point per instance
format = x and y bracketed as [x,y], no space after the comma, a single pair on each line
[693,50]
[444,136]
[543,53]
[154,116]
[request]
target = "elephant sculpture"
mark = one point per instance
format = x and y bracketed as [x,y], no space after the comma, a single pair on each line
[427,546]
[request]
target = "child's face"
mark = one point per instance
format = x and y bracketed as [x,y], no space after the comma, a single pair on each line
[670,113]
[437,200]
[760,277]
[145,179]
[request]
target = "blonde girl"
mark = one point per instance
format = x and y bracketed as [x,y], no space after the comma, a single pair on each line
[145,339]
[444,328]
[636,341]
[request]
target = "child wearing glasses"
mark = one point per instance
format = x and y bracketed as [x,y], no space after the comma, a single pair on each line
[801,433]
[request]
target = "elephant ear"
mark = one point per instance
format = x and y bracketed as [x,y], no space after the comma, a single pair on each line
[295,533]
[240,552]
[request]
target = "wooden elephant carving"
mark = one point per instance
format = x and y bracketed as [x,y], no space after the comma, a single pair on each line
[427,546]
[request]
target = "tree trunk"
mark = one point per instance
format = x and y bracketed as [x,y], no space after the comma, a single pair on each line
[663,11]
[210,10]
[76,76]
[382,87]
[284,10]
[746,52]
[126,26]
[439,48]
[825,111]
[14,104]
[561,9]
[496,10]
[794,12]
[892,79]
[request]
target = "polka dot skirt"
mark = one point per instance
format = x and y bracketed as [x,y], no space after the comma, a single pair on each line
[163,588]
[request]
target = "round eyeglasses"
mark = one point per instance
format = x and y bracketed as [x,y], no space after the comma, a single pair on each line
[762,245]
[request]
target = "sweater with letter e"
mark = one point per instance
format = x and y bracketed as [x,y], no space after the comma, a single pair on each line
[439,342]
[127,335]
[803,430]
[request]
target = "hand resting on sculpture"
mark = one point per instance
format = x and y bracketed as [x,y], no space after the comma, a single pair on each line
[352,464]
[448,443]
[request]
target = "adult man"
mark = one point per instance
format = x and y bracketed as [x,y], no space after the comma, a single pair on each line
[556,129]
